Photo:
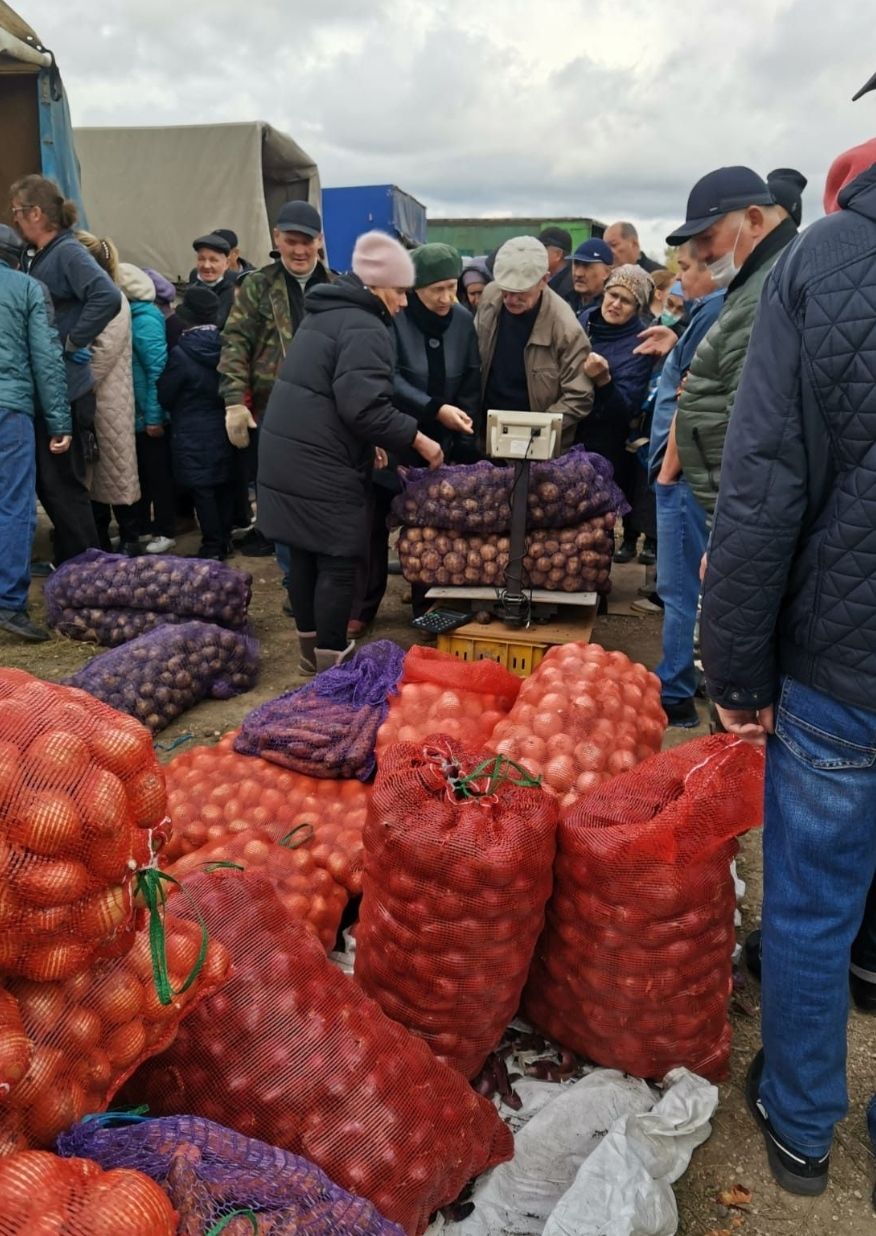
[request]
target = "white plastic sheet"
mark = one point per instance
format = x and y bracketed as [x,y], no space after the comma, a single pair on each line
[596,1158]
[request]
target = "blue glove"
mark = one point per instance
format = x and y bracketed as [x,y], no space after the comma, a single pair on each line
[81,356]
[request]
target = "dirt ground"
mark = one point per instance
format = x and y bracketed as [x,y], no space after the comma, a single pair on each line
[734,1153]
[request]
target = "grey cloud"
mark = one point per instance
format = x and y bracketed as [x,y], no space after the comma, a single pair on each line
[447,100]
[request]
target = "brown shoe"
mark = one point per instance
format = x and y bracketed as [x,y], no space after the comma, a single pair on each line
[356,628]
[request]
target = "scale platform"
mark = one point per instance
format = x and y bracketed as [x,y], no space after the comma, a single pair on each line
[538,596]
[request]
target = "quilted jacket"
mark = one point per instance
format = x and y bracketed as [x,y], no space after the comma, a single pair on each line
[189,390]
[114,475]
[791,583]
[706,402]
[32,377]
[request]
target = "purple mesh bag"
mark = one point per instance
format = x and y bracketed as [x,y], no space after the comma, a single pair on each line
[329,727]
[211,1173]
[158,676]
[477,497]
[110,627]
[112,584]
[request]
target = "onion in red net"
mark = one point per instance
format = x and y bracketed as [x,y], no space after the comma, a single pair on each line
[633,970]
[459,853]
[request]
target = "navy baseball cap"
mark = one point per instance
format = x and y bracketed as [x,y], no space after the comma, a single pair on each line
[299,217]
[593,250]
[865,89]
[718,194]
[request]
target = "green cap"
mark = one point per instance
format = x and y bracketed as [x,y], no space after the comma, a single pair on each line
[434,263]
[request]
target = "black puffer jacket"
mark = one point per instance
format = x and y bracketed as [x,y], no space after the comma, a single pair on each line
[331,405]
[791,584]
[189,390]
[453,344]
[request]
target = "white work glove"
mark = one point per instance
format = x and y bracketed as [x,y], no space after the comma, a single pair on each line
[238,423]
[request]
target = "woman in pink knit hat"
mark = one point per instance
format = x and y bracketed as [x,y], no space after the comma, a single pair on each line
[330,409]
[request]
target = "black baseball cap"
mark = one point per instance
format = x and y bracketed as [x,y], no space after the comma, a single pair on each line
[299,217]
[718,194]
[865,89]
[558,237]
[212,241]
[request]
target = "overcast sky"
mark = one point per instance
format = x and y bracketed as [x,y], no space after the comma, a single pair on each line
[478,107]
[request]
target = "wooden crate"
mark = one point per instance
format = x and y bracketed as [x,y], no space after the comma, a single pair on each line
[519,650]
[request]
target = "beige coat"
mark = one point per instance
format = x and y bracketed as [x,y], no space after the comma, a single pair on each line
[553,358]
[114,476]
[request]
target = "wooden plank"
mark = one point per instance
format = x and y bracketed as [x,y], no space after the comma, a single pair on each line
[539,633]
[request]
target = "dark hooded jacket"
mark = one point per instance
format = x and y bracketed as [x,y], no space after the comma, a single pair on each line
[331,405]
[620,401]
[189,390]
[791,582]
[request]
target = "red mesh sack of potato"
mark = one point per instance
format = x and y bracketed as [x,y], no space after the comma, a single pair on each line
[459,853]
[43,1195]
[439,694]
[633,970]
[88,1033]
[82,807]
[582,717]
[292,1052]
[309,893]
[214,793]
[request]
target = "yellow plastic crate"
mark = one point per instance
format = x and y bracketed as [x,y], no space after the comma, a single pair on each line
[520,651]
[520,659]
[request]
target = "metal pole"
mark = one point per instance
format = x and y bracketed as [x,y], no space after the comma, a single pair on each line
[516,607]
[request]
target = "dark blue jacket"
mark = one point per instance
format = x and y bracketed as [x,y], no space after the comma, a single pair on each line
[84,297]
[791,584]
[189,390]
[620,401]
[702,318]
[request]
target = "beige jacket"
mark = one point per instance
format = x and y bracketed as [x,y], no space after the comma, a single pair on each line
[114,476]
[553,358]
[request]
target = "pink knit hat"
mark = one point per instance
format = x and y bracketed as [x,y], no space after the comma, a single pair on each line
[381,262]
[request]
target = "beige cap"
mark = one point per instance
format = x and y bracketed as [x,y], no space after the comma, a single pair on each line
[520,264]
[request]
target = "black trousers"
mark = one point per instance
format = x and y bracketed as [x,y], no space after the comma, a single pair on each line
[127,518]
[373,572]
[61,486]
[321,595]
[156,511]
[246,461]
[214,508]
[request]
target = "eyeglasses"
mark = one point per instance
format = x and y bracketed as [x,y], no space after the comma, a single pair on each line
[19,210]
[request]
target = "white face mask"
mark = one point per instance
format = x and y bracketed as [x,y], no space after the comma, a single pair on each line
[724,269]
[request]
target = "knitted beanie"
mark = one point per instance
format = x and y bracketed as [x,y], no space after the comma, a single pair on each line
[634,280]
[381,262]
[434,263]
[200,307]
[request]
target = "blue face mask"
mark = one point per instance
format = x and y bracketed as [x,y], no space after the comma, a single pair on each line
[669,319]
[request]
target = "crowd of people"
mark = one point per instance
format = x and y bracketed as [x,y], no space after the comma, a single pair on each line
[732,390]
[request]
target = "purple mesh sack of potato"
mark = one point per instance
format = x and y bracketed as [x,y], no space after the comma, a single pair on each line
[108,598]
[160,675]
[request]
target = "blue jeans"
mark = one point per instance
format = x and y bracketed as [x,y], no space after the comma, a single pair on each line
[819,860]
[681,543]
[17,506]
[284,561]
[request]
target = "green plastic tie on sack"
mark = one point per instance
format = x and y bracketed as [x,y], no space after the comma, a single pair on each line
[150,882]
[235,1214]
[217,866]
[308,831]
[496,766]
